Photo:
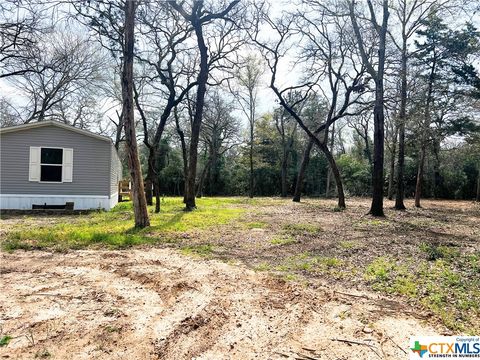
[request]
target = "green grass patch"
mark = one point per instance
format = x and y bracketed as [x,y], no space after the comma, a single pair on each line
[290,277]
[347,245]
[5,340]
[256,225]
[379,270]
[448,285]
[205,250]
[112,329]
[303,262]
[283,240]
[386,275]
[262,267]
[435,252]
[114,229]
[330,262]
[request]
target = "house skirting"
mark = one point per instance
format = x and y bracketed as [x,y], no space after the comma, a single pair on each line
[81,202]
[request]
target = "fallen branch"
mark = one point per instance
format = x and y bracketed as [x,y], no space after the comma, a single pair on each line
[389,338]
[307,357]
[295,355]
[53,295]
[354,342]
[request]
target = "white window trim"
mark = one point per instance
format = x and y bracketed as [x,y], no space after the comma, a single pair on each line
[40,165]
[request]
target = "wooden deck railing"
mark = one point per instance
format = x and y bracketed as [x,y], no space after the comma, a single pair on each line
[125,189]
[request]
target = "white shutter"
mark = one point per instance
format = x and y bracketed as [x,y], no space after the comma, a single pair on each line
[34,165]
[67,171]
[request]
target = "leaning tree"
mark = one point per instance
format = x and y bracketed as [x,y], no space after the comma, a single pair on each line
[328,64]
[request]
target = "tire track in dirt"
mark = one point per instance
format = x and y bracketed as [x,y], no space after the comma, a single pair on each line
[157,304]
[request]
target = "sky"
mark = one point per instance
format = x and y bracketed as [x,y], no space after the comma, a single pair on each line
[266,98]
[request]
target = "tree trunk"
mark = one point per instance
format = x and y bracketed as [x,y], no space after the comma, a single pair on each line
[202,179]
[379,121]
[399,205]
[378,111]
[329,171]
[150,176]
[400,195]
[284,174]
[192,167]
[138,192]
[118,133]
[252,129]
[301,171]
[436,169]
[181,134]
[213,174]
[418,186]
[391,175]
[251,190]
[156,190]
[425,136]
[149,191]
[197,118]
[478,186]
[327,185]
[322,147]
[336,175]
[378,150]
[368,151]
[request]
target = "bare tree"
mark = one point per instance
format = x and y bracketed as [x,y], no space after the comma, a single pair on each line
[219,135]
[199,17]
[21,28]
[327,59]
[249,78]
[314,109]
[329,172]
[105,20]
[409,14]
[377,74]
[8,114]
[138,191]
[391,132]
[183,143]
[65,73]
[165,32]
[361,125]
[113,93]
[287,131]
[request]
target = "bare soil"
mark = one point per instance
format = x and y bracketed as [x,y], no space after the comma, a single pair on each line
[156,303]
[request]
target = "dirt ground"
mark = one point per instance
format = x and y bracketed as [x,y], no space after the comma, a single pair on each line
[167,302]
[156,303]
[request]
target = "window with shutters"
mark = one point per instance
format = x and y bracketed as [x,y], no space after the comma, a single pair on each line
[51,164]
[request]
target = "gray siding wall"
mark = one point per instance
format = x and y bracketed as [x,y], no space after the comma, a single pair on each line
[91,162]
[115,170]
